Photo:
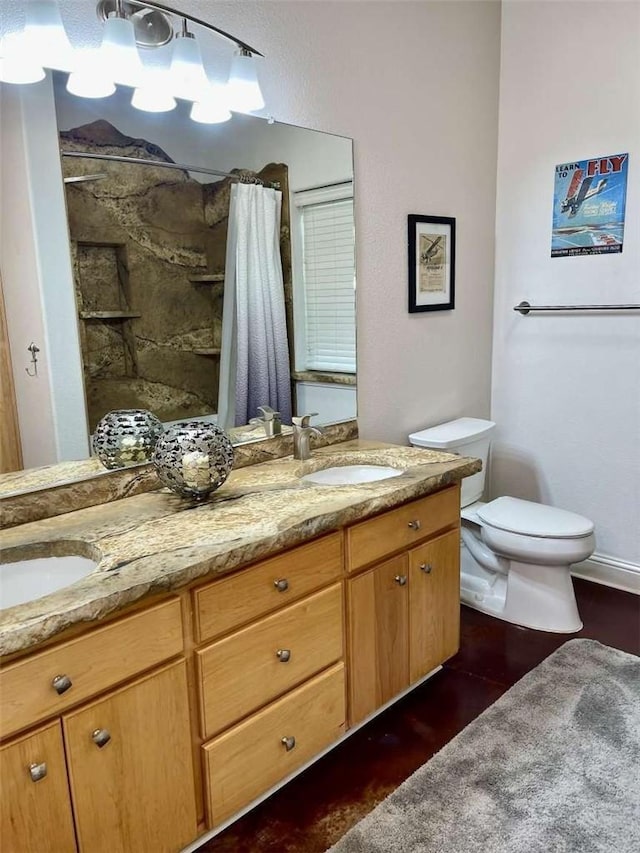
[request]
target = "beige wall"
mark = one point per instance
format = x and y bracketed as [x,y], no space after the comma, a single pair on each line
[566,389]
[416,86]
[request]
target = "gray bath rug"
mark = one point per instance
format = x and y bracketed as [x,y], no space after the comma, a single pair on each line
[552,767]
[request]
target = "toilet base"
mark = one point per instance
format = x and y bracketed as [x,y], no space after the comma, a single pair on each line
[532,596]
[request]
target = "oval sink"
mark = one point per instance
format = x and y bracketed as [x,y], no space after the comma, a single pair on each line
[27,580]
[349,475]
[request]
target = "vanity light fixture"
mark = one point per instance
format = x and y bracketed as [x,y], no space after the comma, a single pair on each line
[45,35]
[16,65]
[118,55]
[213,108]
[153,95]
[187,77]
[128,26]
[243,87]
[88,80]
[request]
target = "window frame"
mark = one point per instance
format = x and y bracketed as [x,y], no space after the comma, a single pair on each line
[299,200]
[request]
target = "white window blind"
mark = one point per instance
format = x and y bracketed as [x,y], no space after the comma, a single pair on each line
[328,256]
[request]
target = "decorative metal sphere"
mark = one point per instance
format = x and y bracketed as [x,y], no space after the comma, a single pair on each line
[193,458]
[126,437]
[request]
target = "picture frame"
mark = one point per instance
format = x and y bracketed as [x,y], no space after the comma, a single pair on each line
[432,258]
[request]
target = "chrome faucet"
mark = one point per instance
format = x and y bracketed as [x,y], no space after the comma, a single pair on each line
[270,420]
[302,432]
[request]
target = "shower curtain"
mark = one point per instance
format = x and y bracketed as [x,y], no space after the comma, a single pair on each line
[254,361]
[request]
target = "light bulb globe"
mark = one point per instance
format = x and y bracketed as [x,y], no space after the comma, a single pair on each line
[118,55]
[188,79]
[243,89]
[16,65]
[151,99]
[87,79]
[45,35]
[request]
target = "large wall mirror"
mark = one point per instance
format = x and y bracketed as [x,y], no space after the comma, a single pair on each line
[158,208]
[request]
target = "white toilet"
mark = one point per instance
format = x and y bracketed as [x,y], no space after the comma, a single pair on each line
[515,554]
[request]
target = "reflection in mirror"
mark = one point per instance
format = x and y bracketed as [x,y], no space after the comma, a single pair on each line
[75,307]
[213,267]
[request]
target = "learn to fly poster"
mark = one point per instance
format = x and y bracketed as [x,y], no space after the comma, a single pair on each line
[589,206]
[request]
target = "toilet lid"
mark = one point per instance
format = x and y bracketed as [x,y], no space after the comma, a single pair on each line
[534,519]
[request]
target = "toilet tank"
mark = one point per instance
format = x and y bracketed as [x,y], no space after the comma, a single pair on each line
[465,437]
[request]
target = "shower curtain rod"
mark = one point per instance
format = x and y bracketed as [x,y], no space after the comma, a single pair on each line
[141,161]
[525,307]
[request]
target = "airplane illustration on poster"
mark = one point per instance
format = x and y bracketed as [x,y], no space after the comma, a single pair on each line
[589,206]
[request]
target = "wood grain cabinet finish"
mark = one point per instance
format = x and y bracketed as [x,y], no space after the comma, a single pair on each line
[259,687]
[434,596]
[376,538]
[35,809]
[256,664]
[228,603]
[403,614]
[378,618]
[251,757]
[49,682]
[130,767]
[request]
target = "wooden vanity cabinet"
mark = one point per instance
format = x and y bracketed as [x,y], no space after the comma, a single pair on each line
[434,603]
[257,672]
[272,691]
[35,808]
[118,768]
[378,618]
[130,767]
[403,613]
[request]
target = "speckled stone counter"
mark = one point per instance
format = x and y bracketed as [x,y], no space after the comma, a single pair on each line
[68,486]
[155,542]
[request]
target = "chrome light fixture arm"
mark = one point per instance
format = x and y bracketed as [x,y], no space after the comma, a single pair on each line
[106,7]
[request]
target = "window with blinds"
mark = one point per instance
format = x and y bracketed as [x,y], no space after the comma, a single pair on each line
[327,268]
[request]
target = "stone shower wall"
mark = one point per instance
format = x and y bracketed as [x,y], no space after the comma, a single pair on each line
[148,247]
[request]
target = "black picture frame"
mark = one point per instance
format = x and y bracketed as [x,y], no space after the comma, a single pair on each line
[432,262]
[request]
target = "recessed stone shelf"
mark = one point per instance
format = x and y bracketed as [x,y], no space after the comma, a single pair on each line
[215,278]
[207,351]
[108,315]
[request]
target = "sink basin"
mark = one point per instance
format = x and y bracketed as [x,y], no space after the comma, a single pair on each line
[27,580]
[349,475]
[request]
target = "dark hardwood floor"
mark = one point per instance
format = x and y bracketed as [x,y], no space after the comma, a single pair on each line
[320,805]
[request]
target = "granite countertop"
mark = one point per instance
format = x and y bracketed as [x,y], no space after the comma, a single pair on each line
[155,542]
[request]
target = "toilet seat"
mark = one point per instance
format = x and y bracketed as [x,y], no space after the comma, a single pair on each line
[531,519]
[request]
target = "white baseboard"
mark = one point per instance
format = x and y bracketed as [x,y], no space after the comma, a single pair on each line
[619,574]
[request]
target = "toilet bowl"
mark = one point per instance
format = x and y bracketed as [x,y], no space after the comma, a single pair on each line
[515,555]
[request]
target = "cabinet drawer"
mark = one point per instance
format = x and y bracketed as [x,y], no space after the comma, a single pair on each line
[233,601]
[251,667]
[92,663]
[372,540]
[251,757]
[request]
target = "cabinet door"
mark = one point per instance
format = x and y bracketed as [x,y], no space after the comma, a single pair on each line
[35,811]
[434,603]
[378,606]
[130,767]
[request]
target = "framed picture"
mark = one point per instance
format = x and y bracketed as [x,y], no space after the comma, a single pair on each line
[432,256]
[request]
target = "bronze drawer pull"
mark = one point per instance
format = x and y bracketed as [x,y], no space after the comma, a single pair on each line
[288,742]
[282,584]
[283,655]
[37,771]
[101,737]
[61,683]
[415,525]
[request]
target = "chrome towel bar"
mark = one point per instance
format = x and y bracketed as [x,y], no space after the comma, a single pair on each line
[525,307]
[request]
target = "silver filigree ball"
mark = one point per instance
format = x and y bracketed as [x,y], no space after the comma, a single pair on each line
[193,458]
[126,437]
